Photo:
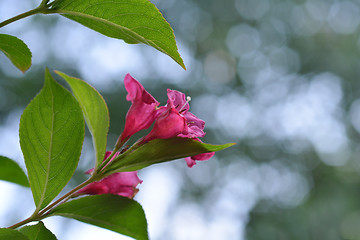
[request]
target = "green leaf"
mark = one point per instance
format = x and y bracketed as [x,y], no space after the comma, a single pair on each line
[16,50]
[38,232]
[51,135]
[134,21]
[10,171]
[95,111]
[161,150]
[112,212]
[6,234]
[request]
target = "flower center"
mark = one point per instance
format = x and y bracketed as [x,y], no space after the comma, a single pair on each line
[182,109]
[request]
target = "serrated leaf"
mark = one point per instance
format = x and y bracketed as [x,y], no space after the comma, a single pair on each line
[16,50]
[95,111]
[38,232]
[134,21]
[6,234]
[51,135]
[161,150]
[116,213]
[10,171]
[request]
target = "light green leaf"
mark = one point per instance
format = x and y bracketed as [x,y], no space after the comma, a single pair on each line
[95,111]
[16,50]
[10,171]
[112,212]
[11,234]
[134,21]
[51,135]
[161,150]
[38,232]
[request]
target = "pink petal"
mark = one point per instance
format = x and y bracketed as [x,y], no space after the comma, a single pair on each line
[178,99]
[167,125]
[191,161]
[196,126]
[122,183]
[142,112]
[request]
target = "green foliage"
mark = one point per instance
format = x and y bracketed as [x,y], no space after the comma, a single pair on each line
[6,234]
[95,111]
[16,50]
[112,212]
[161,150]
[51,137]
[11,172]
[134,21]
[38,232]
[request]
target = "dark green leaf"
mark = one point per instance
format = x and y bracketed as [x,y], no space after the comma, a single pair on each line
[10,171]
[11,234]
[51,135]
[134,21]
[16,50]
[161,150]
[95,111]
[112,212]
[37,232]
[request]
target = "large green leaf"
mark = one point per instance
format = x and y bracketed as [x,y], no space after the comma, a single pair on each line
[11,234]
[95,111]
[51,135]
[16,50]
[161,150]
[112,212]
[134,21]
[38,232]
[10,171]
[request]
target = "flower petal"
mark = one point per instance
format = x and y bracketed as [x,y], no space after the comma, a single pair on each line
[122,183]
[178,99]
[167,125]
[142,112]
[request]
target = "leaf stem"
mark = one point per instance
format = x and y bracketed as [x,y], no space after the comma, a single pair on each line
[42,8]
[38,215]
[65,197]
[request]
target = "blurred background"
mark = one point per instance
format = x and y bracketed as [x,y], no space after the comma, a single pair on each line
[278,77]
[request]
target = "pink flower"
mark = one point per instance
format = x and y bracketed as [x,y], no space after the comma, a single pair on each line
[142,112]
[195,125]
[169,123]
[190,161]
[122,183]
[175,120]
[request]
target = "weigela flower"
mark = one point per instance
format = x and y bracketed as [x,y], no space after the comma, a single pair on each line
[175,120]
[142,112]
[181,103]
[122,183]
[171,120]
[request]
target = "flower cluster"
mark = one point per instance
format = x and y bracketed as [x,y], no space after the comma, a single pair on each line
[171,120]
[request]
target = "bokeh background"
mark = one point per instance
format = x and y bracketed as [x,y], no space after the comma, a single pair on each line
[278,77]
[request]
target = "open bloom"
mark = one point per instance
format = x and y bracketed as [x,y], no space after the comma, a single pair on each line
[142,112]
[175,120]
[181,103]
[122,183]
